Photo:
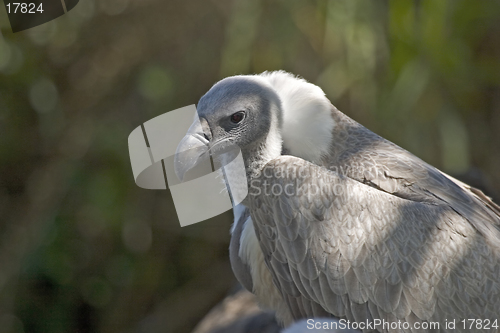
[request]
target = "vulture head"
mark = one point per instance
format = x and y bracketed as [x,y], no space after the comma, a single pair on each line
[264,115]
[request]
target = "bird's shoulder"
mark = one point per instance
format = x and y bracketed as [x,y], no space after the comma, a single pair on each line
[381,164]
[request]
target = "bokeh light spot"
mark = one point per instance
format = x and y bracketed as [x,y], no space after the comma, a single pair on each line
[43,95]
[137,236]
[154,83]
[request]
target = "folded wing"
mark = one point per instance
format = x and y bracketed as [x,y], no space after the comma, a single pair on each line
[337,245]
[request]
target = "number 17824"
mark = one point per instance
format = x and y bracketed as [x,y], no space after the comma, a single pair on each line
[24,8]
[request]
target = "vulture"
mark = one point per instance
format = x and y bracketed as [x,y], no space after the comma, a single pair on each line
[342,223]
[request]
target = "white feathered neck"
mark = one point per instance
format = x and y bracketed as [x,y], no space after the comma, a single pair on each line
[307,119]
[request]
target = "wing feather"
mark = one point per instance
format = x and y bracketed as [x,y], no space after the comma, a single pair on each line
[368,158]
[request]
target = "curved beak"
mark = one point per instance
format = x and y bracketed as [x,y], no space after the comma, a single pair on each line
[192,149]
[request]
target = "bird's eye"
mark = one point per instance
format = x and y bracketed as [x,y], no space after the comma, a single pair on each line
[237,117]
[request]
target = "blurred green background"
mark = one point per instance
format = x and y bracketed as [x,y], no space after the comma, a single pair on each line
[83,249]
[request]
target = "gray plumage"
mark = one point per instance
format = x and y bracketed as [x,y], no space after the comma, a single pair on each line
[384,235]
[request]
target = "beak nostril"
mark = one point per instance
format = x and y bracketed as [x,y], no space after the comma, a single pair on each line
[207,133]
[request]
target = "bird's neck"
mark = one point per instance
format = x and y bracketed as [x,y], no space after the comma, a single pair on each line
[257,155]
